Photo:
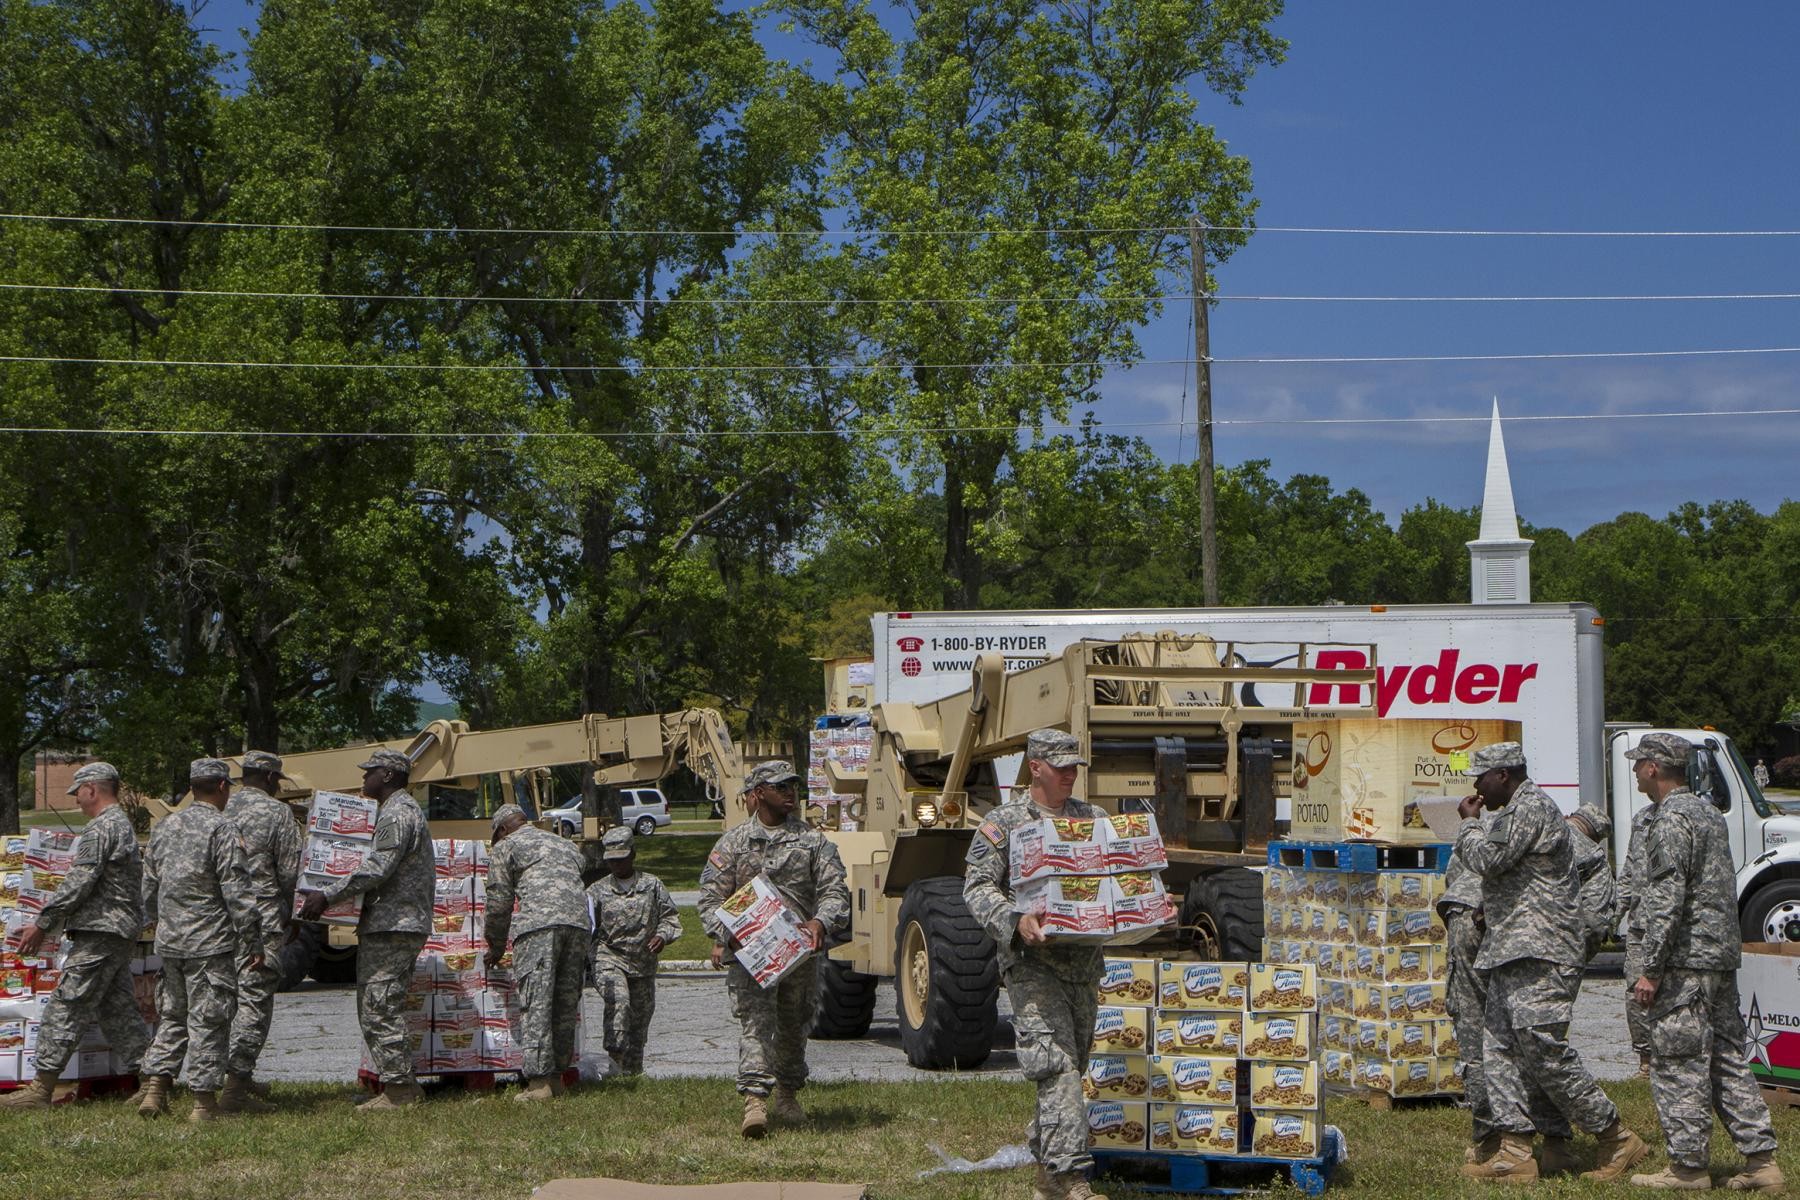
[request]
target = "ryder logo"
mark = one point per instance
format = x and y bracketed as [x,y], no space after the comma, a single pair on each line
[1441,682]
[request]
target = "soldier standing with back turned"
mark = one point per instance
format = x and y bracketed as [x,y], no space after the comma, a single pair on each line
[271,841]
[1688,959]
[1054,988]
[805,868]
[397,884]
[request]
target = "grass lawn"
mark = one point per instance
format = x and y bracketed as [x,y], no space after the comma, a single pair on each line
[56,820]
[692,943]
[669,1131]
[674,860]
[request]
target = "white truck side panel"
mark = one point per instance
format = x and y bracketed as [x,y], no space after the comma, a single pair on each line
[1538,664]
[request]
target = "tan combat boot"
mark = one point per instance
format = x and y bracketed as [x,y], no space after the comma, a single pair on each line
[1643,1071]
[206,1107]
[238,1096]
[1558,1158]
[1075,1187]
[535,1089]
[786,1107]
[35,1094]
[155,1096]
[394,1096]
[756,1116]
[1618,1152]
[1760,1174]
[1476,1152]
[1675,1178]
[1511,1163]
[1046,1186]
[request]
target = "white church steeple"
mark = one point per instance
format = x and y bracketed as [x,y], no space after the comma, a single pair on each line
[1499,559]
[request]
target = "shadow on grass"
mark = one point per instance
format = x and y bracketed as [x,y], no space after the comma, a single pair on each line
[843,1118]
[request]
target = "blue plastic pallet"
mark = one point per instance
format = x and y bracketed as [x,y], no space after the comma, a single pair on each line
[1198,1174]
[1361,857]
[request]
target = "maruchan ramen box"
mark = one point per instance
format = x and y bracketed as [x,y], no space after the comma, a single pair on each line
[1193,1080]
[1198,1034]
[341,815]
[1128,981]
[1133,843]
[1069,907]
[1121,1030]
[1365,778]
[1057,846]
[333,858]
[1140,906]
[1117,1077]
[1285,1135]
[347,911]
[1119,1124]
[1285,1085]
[1278,1035]
[1202,986]
[771,942]
[1194,1129]
[1275,988]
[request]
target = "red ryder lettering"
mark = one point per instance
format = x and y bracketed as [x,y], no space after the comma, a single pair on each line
[1435,683]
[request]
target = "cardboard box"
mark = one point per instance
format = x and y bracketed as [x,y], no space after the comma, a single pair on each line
[454,1050]
[1275,988]
[1335,997]
[1121,1030]
[1284,1135]
[1193,1080]
[1769,996]
[1117,1077]
[341,815]
[1188,1034]
[1337,1033]
[12,852]
[1133,843]
[1364,778]
[1407,1039]
[1293,1085]
[1282,885]
[1128,981]
[500,1049]
[1415,1001]
[1338,1067]
[771,942]
[334,858]
[1286,1036]
[51,838]
[1415,1077]
[1449,1077]
[1202,986]
[1409,889]
[1194,1129]
[1140,906]
[454,857]
[1119,1124]
[1069,907]
[1330,888]
[1057,846]
[1403,964]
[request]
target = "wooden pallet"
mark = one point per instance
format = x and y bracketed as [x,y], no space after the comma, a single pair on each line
[1216,1175]
[468,1081]
[1360,857]
[1382,1102]
[1776,1097]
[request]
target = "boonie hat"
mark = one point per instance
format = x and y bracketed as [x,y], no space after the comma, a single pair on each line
[774,771]
[202,769]
[391,759]
[505,813]
[94,772]
[618,843]
[1663,749]
[262,760]
[1597,823]
[1056,747]
[1492,758]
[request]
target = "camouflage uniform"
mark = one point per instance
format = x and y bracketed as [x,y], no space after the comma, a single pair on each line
[1691,946]
[1598,898]
[1631,884]
[627,914]
[805,868]
[271,841]
[398,885]
[196,892]
[1054,988]
[100,905]
[1532,955]
[550,934]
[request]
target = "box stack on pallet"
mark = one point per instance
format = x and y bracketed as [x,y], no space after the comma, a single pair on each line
[1769,1000]
[1364,918]
[32,867]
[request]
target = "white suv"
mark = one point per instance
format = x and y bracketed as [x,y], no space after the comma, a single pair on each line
[642,810]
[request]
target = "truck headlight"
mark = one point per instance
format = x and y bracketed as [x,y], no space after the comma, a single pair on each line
[925,813]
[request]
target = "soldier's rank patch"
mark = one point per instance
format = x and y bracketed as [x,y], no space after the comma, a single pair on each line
[991,832]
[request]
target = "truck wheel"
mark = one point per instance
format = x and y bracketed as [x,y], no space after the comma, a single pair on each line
[335,964]
[946,978]
[1772,913]
[846,1001]
[297,957]
[1222,914]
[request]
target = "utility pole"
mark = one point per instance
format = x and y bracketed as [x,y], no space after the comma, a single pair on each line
[1209,540]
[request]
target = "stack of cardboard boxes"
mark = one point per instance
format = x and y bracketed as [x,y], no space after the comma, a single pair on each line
[32,867]
[847,745]
[340,836]
[1092,879]
[771,941]
[1377,945]
[1209,1058]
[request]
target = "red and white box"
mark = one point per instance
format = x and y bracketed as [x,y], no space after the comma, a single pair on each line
[455,1049]
[1057,846]
[770,940]
[1133,843]
[500,1049]
[1140,906]
[48,838]
[1069,907]
[455,857]
[347,911]
[341,815]
[334,858]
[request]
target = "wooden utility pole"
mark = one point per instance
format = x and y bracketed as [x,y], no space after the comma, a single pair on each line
[1209,540]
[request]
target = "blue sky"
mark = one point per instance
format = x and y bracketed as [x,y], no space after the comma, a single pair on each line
[1604,116]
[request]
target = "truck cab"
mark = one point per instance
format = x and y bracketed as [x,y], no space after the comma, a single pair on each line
[1765,841]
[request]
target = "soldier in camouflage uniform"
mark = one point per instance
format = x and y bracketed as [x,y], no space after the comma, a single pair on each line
[805,868]
[634,918]
[1688,961]
[1054,987]
[398,885]
[100,905]
[1631,886]
[549,941]
[199,898]
[1589,829]
[271,841]
[1533,955]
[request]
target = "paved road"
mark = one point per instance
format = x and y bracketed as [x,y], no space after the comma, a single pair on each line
[315,1038]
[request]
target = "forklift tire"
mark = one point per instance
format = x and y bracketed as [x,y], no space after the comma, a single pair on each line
[335,964]
[846,1002]
[946,978]
[296,959]
[1222,915]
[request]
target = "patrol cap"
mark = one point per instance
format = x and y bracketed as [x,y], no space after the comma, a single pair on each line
[618,843]
[1663,749]
[94,772]
[205,770]
[391,759]
[262,760]
[1055,747]
[776,770]
[1596,822]
[1492,758]
[505,813]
